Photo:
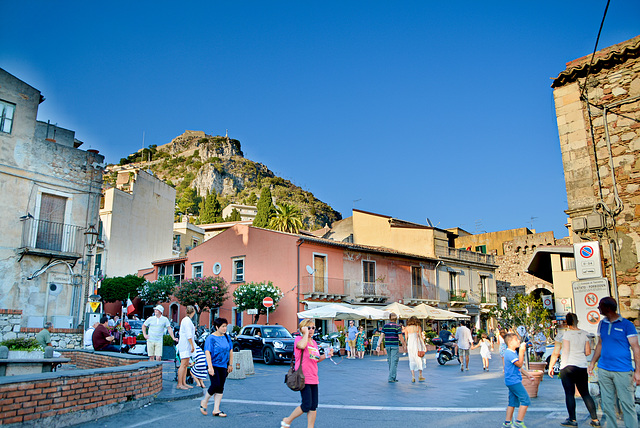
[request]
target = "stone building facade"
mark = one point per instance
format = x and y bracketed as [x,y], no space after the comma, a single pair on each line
[598,113]
[51,195]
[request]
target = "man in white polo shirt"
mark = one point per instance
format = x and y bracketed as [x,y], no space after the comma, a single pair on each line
[156,324]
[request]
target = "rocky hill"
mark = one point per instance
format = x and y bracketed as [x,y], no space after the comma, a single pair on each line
[207,163]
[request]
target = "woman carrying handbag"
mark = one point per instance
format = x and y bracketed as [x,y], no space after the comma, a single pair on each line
[307,355]
[415,348]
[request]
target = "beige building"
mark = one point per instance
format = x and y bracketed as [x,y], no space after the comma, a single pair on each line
[185,237]
[460,280]
[598,114]
[247,212]
[213,229]
[137,223]
[50,198]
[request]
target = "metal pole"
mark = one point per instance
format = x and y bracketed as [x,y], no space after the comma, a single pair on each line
[614,278]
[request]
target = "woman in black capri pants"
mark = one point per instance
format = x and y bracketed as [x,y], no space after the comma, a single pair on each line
[573,370]
[217,349]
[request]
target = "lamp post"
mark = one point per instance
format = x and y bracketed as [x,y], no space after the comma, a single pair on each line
[91,239]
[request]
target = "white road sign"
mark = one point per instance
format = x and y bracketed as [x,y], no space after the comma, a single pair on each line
[587,295]
[547,302]
[588,262]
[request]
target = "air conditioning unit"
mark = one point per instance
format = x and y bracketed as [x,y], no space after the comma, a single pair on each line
[579,224]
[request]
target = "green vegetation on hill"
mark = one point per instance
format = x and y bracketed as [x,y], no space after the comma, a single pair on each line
[189,161]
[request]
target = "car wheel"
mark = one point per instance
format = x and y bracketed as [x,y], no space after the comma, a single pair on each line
[236,348]
[268,356]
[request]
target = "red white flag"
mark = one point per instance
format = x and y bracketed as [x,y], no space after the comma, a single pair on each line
[130,307]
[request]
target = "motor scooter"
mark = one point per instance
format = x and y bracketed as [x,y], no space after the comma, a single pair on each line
[328,341]
[445,351]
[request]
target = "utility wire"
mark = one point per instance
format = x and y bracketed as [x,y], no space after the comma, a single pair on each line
[595,48]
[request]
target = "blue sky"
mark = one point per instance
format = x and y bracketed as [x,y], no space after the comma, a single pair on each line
[412,109]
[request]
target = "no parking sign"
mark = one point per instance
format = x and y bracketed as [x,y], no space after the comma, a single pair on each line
[547,302]
[588,263]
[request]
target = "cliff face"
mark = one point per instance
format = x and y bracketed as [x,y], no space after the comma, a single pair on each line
[214,163]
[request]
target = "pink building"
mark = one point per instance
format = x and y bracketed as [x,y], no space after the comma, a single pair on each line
[310,271]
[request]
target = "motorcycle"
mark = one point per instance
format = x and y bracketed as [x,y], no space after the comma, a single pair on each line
[328,341]
[201,335]
[445,350]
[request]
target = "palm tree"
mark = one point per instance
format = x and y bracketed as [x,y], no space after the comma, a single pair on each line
[286,219]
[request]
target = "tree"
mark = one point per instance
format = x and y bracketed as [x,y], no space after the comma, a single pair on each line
[524,310]
[157,291]
[211,211]
[287,218]
[265,208]
[188,203]
[252,199]
[234,216]
[208,292]
[120,288]
[250,296]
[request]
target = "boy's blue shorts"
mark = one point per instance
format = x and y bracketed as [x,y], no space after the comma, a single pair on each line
[518,395]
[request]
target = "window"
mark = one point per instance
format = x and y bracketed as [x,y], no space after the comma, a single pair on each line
[196,270]
[452,283]
[369,277]
[320,266]
[238,270]
[483,287]
[195,242]
[416,282]
[481,249]
[6,116]
[175,270]
[51,222]
[97,269]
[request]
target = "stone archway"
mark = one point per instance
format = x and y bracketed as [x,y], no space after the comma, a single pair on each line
[539,289]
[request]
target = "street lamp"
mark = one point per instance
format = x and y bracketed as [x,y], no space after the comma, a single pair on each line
[91,237]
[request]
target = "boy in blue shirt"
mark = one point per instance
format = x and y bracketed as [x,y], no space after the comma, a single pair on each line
[518,397]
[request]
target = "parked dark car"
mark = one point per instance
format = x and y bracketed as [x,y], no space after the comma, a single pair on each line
[269,343]
[136,326]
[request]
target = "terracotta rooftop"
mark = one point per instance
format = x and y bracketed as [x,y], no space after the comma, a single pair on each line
[604,58]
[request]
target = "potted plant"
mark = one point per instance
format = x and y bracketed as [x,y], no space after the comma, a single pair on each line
[168,348]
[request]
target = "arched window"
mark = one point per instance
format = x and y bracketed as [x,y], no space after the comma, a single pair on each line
[174,312]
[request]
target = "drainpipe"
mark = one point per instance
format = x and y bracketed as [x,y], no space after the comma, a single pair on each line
[298,280]
[614,278]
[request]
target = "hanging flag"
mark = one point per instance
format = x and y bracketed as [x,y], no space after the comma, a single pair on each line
[130,308]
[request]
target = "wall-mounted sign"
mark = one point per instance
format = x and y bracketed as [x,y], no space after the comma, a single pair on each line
[587,295]
[563,306]
[588,263]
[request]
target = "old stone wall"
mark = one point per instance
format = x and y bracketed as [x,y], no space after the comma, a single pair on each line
[11,319]
[590,166]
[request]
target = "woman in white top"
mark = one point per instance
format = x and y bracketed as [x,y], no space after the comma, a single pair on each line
[186,347]
[573,370]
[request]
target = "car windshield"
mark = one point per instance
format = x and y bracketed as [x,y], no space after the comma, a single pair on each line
[135,324]
[276,332]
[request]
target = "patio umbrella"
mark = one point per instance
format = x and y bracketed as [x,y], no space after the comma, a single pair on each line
[333,311]
[439,314]
[404,311]
[373,313]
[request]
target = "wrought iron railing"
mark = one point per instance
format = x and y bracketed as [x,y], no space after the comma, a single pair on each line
[458,296]
[371,289]
[489,298]
[322,285]
[51,236]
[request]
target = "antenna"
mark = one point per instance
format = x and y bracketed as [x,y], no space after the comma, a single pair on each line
[531,222]
[356,200]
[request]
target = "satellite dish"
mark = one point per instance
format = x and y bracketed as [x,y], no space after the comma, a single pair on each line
[310,270]
[429,222]
[217,268]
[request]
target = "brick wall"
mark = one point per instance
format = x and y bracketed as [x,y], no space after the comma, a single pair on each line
[25,399]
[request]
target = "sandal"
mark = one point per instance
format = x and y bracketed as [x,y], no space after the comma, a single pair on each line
[413,380]
[203,410]
[283,424]
[220,414]
[421,379]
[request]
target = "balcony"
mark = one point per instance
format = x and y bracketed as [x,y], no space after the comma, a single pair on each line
[325,289]
[458,297]
[464,255]
[370,292]
[427,294]
[51,239]
[489,299]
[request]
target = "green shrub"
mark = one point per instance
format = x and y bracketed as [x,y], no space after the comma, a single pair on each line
[22,344]
[167,341]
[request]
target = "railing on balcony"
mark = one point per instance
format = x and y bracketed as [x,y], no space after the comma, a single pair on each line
[374,292]
[464,255]
[51,238]
[489,298]
[458,296]
[322,288]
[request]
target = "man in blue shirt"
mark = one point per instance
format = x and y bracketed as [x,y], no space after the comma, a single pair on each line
[616,375]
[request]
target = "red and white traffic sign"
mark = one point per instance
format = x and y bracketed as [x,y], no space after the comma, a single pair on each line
[591,299]
[267,302]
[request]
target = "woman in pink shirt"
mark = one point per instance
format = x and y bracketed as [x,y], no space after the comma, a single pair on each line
[307,353]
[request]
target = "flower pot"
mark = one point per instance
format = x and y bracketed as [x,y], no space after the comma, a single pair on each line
[538,365]
[168,353]
[532,385]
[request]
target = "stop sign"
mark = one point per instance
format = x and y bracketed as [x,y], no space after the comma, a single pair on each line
[267,302]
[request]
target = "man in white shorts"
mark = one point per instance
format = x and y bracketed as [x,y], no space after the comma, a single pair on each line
[463,335]
[156,324]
